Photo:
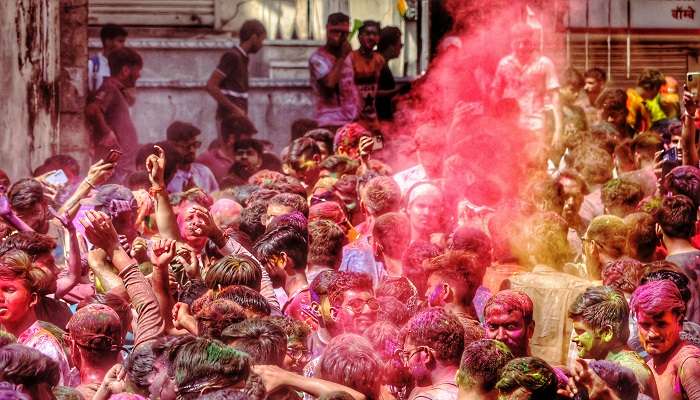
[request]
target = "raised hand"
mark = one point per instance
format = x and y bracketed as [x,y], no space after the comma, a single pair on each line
[155,165]
[139,249]
[163,252]
[5,208]
[203,225]
[100,231]
[99,173]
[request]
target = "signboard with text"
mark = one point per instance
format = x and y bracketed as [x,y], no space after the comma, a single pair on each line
[643,14]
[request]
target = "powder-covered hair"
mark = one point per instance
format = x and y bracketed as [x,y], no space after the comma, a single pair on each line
[657,297]
[350,360]
[16,264]
[264,341]
[532,374]
[214,317]
[439,330]
[345,281]
[509,301]
[623,274]
[600,306]
[481,364]
[239,269]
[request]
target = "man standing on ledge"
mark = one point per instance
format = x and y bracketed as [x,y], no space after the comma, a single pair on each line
[332,78]
[228,84]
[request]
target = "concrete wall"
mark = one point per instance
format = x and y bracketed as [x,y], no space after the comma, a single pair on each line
[73,136]
[29,57]
[175,72]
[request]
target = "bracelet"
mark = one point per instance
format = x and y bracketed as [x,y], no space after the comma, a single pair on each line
[155,190]
[90,184]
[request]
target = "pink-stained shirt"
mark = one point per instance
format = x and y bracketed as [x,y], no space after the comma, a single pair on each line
[529,85]
[298,306]
[341,105]
[41,339]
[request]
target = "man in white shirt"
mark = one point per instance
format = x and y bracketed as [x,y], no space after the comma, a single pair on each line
[189,174]
[113,37]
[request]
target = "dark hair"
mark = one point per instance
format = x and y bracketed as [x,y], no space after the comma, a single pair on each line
[283,239]
[123,57]
[413,258]
[303,125]
[234,125]
[301,147]
[321,285]
[345,281]
[472,240]
[392,231]
[32,243]
[294,219]
[600,306]
[180,131]
[350,360]
[613,100]
[668,271]
[337,18]
[392,310]
[684,180]
[462,271]
[191,291]
[399,287]
[620,379]
[439,330]
[112,31]
[340,165]
[206,363]
[530,373]
[646,142]
[245,144]
[265,342]
[321,135]
[215,316]
[651,78]
[621,193]
[388,36]
[326,240]
[140,363]
[597,74]
[677,216]
[294,329]
[245,297]
[609,232]
[369,23]
[641,238]
[481,364]
[250,222]
[249,28]
[240,269]
[27,366]
[25,194]
[571,76]
[293,201]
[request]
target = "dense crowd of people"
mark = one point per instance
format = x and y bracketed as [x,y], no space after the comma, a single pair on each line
[561,264]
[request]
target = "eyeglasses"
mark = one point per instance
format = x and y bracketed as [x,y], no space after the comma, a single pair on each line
[297,353]
[356,305]
[405,356]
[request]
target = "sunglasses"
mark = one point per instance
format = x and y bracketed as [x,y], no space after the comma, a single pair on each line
[356,305]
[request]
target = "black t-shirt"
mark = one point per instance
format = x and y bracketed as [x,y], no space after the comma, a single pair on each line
[385,108]
[234,67]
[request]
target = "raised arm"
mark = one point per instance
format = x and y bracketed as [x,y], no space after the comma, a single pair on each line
[165,217]
[98,174]
[73,262]
[9,216]
[275,377]
[163,254]
[149,323]
[688,131]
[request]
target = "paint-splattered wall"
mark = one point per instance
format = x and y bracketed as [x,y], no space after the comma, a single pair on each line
[29,65]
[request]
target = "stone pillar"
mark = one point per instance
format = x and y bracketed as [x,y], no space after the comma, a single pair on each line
[28,83]
[73,136]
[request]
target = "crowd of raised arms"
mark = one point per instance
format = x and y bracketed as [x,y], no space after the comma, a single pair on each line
[553,255]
